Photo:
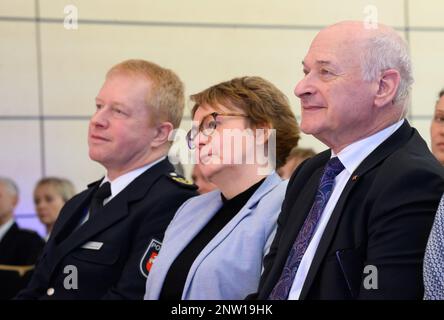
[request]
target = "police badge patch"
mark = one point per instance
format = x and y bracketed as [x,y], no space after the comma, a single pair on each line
[150,255]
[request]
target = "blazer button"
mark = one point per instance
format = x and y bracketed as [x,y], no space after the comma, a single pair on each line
[50,291]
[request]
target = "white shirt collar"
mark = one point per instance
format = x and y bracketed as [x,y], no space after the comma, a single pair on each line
[124,180]
[352,155]
[5,228]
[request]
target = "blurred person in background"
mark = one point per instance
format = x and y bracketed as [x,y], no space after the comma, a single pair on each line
[433,272]
[19,248]
[50,195]
[294,159]
[437,129]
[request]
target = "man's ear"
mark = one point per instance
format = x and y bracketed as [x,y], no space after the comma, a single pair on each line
[163,131]
[387,87]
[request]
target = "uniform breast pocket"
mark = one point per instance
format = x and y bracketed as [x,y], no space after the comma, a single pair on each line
[106,255]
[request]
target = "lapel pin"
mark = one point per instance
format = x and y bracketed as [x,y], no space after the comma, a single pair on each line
[355,177]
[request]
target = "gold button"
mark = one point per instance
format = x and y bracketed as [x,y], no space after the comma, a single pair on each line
[50,291]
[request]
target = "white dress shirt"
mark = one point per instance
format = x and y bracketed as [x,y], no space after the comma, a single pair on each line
[121,182]
[5,228]
[351,157]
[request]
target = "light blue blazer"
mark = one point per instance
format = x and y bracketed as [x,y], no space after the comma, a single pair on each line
[229,267]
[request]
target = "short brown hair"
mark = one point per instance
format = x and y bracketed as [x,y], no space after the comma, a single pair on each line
[63,187]
[302,153]
[262,102]
[167,90]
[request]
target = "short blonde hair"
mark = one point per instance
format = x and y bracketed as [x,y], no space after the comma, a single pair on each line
[63,186]
[262,102]
[167,90]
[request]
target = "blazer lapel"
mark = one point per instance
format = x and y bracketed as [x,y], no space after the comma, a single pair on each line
[390,145]
[72,215]
[196,216]
[269,184]
[114,211]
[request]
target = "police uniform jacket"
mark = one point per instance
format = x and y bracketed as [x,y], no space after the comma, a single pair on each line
[109,256]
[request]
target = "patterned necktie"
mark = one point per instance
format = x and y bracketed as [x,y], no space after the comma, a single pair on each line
[283,286]
[434,259]
[97,201]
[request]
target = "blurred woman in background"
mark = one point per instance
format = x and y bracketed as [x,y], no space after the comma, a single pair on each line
[50,195]
[437,129]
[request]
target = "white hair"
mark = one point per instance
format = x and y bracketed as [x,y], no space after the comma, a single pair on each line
[388,51]
[10,185]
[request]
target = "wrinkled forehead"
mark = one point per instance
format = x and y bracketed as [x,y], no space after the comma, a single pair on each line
[337,46]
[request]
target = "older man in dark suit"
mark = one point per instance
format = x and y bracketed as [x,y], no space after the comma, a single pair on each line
[106,238]
[355,219]
[19,248]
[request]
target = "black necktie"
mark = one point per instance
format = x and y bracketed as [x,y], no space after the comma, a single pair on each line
[97,200]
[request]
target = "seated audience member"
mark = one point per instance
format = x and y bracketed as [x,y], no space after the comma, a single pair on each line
[355,220]
[437,129]
[19,248]
[434,259]
[214,246]
[110,231]
[294,159]
[202,182]
[50,195]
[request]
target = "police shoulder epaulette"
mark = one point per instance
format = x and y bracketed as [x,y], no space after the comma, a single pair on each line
[181,180]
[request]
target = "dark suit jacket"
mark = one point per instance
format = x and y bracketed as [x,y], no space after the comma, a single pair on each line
[126,226]
[18,248]
[382,218]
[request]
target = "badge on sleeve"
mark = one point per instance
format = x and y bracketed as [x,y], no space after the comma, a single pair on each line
[150,255]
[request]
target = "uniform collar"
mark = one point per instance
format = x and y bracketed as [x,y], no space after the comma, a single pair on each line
[121,182]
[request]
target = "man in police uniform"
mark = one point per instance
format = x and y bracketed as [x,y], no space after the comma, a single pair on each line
[106,238]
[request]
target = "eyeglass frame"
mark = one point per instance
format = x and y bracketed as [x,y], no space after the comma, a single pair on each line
[190,139]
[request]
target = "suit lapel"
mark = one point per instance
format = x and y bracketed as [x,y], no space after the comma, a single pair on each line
[112,212]
[181,232]
[73,215]
[8,239]
[389,146]
[269,184]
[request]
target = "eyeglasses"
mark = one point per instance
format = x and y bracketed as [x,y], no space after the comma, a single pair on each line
[207,126]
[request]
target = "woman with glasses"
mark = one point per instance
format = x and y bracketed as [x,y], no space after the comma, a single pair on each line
[213,249]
